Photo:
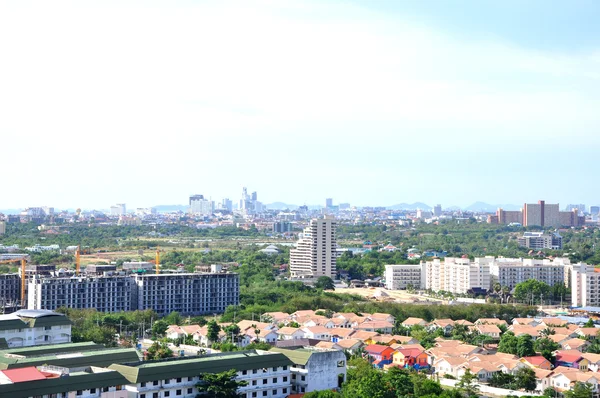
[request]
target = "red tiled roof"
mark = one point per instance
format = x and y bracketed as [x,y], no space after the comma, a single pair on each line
[568,357]
[536,360]
[24,374]
[376,348]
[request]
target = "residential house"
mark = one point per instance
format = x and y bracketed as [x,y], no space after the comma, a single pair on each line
[317,332]
[378,316]
[563,379]
[537,361]
[289,333]
[278,317]
[520,330]
[525,321]
[491,321]
[405,339]
[483,370]
[410,358]
[380,355]
[575,344]
[445,324]
[338,334]
[449,365]
[410,322]
[384,339]
[350,345]
[201,336]
[594,361]
[181,332]
[383,327]
[492,331]
[571,359]
[363,335]
[553,322]
[463,322]
[543,380]
[588,333]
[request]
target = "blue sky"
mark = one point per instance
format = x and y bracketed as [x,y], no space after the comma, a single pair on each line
[368,102]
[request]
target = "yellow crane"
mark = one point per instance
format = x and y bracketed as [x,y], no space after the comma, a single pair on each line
[23,261]
[157,260]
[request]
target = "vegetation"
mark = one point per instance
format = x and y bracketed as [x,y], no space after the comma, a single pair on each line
[220,385]
[159,350]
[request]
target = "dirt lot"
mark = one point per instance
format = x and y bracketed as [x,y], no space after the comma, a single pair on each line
[398,296]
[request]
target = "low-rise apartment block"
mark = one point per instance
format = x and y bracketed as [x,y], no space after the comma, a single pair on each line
[585,286]
[458,275]
[402,276]
[540,241]
[30,328]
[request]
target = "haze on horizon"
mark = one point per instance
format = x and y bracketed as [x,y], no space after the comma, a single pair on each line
[372,103]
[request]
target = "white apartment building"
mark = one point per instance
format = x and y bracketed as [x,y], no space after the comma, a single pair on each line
[511,271]
[189,294]
[540,240]
[29,328]
[315,253]
[105,293]
[201,206]
[585,286]
[457,275]
[400,276]
[315,369]
[2,227]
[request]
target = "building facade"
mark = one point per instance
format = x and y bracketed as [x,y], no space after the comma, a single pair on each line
[2,227]
[188,294]
[585,286]
[512,271]
[458,275]
[201,206]
[105,293]
[10,289]
[540,240]
[315,253]
[26,328]
[402,276]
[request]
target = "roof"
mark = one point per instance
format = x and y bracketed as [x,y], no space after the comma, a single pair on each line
[376,348]
[37,313]
[52,349]
[29,373]
[348,343]
[74,359]
[412,321]
[570,358]
[138,372]
[536,360]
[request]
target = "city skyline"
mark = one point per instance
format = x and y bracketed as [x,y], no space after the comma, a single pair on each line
[147,103]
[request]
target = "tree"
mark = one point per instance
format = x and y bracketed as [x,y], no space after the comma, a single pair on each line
[508,343]
[525,346]
[174,318]
[159,350]
[546,347]
[220,385]
[232,332]
[546,332]
[468,384]
[212,332]
[399,380]
[323,394]
[589,323]
[424,386]
[503,380]
[525,378]
[580,390]
[531,290]
[325,283]
[159,328]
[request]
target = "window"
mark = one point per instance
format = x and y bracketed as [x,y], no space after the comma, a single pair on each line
[303,378]
[254,394]
[244,372]
[285,379]
[179,380]
[274,379]
[167,381]
[79,392]
[253,371]
[142,395]
[155,383]
[274,392]
[178,392]
[155,395]
[167,393]
[274,369]
[189,391]
[92,390]
[284,390]
[264,393]
[264,381]
[143,384]
[253,382]
[285,367]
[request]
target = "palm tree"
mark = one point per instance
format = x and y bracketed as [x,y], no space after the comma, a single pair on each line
[547,332]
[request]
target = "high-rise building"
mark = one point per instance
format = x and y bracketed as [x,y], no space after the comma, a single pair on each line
[201,206]
[402,276]
[512,271]
[227,204]
[282,227]
[458,275]
[249,204]
[585,283]
[594,210]
[437,210]
[328,203]
[2,227]
[120,209]
[315,252]
[10,289]
[571,207]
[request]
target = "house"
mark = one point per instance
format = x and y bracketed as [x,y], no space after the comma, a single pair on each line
[278,317]
[378,316]
[338,334]
[410,358]
[553,322]
[350,345]
[264,335]
[405,339]
[340,323]
[520,330]
[289,333]
[384,339]
[449,365]
[317,332]
[491,321]
[492,331]
[537,361]
[384,327]
[410,322]
[543,378]
[571,359]
[575,344]
[463,322]
[483,370]
[445,324]
[363,335]
[525,321]
[180,332]
[35,327]
[588,333]
[594,361]
[380,354]
[201,336]
[564,378]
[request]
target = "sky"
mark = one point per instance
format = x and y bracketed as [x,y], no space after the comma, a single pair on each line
[367,102]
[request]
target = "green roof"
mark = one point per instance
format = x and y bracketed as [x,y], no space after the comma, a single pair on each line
[73,382]
[100,358]
[52,349]
[298,357]
[47,321]
[186,367]
[10,324]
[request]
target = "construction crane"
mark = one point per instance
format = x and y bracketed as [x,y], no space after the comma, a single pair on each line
[157,260]
[23,261]
[78,260]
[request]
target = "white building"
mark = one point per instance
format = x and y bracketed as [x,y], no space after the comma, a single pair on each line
[585,286]
[457,275]
[120,209]
[201,206]
[540,240]
[315,369]
[511,271]
[2,227]
[401,276]
[315,253]
[29,328]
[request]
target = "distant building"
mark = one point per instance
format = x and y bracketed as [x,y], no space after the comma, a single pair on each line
[540,240]
[458,275]
[328,203]
[511,271]
[594,210]
[315,253]
[571,207]
[201,206]
[401,276]
[120,209]
[282,227]
[539,214]
[437,210]
[2,227]
[226,204]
